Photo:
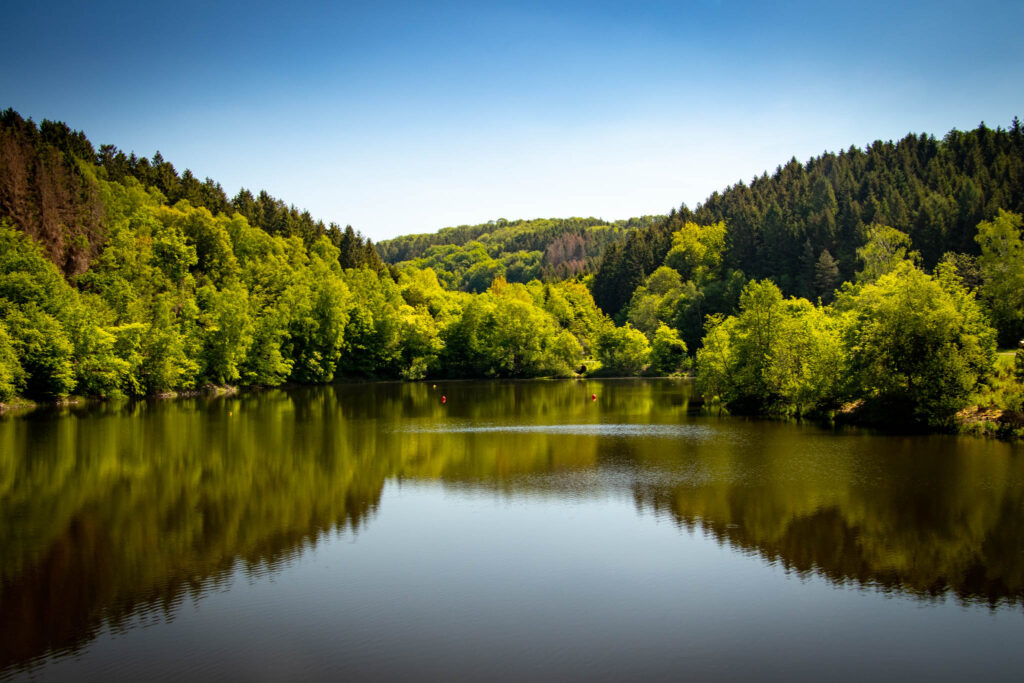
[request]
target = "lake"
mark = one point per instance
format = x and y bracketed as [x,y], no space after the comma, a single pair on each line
[519,530]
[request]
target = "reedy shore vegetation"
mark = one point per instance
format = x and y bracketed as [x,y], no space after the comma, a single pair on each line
[864,284]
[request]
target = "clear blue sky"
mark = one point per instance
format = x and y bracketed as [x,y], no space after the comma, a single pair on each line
[407,117]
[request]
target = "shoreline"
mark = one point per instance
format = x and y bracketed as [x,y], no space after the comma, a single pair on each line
[973,421]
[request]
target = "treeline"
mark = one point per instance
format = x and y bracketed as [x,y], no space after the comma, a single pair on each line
[468,257]
[517,235]
[896,345]
[114,282]
[801,226]
[43,191]
[118,277]
[179,298]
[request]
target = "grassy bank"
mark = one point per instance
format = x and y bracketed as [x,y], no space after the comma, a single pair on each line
[997,408]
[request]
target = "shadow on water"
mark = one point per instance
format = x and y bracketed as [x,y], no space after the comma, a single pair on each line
[114,514]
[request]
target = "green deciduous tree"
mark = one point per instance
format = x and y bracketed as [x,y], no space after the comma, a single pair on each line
[44,350]
[623,350]
[734,367]
[12,375]
[1002,271]
[775,355]
[885,250]
[668,351]
[917,345]
[806,368]
[227,332]
[697,250]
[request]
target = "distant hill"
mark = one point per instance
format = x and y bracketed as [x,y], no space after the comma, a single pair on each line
[548,249]
[519,250]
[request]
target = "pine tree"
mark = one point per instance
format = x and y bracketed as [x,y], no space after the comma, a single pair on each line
[826,276]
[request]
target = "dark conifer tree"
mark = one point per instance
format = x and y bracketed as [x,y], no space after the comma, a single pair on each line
[826,276]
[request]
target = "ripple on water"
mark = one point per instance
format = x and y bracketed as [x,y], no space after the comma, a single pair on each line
[665,431]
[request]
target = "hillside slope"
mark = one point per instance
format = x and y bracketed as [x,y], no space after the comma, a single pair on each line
[780,226]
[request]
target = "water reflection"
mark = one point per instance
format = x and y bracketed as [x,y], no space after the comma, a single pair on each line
[115,512]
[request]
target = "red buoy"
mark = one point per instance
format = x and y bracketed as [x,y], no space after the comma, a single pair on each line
[593,397]
[444,399]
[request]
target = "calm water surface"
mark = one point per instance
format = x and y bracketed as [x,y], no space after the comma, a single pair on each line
[520,531]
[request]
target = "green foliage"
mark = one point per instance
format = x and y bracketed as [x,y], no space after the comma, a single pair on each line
[481,274]
[1001,264]
[27,276]
[910,346]
[503,333]
[43,349]
[623,350]
[1018,362]
[692,285]
[779,225]
[668,351]
[164,285]
[177,288]
[522,250]
[653,302]
[885,251]
[319,316]
[36,306]
[227,332]
[167,364]
[466,352]
[999,401]
[421,343]
[100,370]
[806,367]
[717,362]
[515,334]
[697,251]
[626,265]
[917,345]
[172,254]
[573,308]
[209,237]
[50,188]
[12,375]
[733,364]
[826,276]
[373,336]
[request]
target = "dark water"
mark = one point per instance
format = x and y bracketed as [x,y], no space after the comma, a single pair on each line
[520,531]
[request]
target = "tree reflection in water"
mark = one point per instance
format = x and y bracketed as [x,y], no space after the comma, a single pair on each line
[116,513]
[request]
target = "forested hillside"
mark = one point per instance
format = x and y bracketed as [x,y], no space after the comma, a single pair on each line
[878,279]
[468,257]
[118,277]
[802,225]
[44,191]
